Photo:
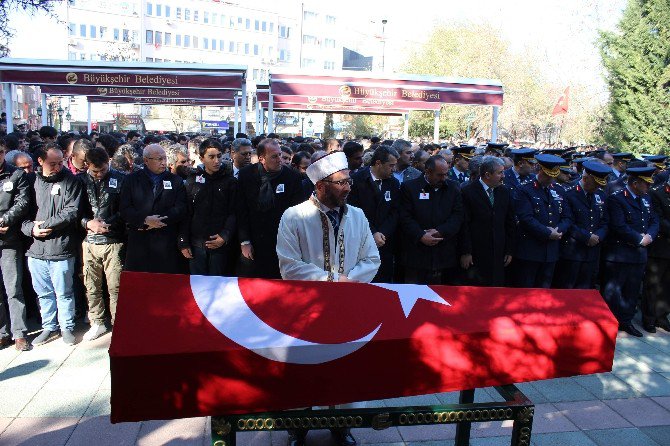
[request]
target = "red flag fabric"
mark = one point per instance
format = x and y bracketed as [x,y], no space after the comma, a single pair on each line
[196,346]
[561,106]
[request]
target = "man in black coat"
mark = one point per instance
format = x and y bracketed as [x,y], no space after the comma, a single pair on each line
[656,290]
[488,230]
[431,213]
[153,204]
[266,190]
[206,234]
[376,191]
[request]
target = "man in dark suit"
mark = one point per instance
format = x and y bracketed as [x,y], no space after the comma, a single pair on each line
[265,190]
[543,219]
[488,229]
[376,191]
[460,170]
[656,290]
[633,225]
[580,247]
[618,179]
[431,213]
[523,170]
[153,204]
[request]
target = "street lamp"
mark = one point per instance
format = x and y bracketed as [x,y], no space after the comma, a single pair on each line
[39,111]
[302,128]
[310,122]
[60,118]
[384,22]
[68,116]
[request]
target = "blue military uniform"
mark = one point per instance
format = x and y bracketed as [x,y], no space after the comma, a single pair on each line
[511,179]
[465,152]
[578,261]
[661,175]
[538,209]
[629,218]
[616,182]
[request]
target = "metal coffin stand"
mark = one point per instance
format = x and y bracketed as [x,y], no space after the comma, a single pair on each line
[516,408]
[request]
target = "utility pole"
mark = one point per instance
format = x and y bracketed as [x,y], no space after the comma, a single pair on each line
[384,22]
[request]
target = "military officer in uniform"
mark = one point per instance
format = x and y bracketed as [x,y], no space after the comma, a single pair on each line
[661,174]
[656,289]
[523,170]
[495,149]
[633,225]
[617,180]
[460,172]
[580,247]
[543,219]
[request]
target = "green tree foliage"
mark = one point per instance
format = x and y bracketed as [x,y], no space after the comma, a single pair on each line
[328,131]
[637,59]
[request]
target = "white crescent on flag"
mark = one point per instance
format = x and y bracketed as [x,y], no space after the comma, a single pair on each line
[222,303]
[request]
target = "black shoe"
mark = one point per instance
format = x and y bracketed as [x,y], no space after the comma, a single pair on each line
[630,329]
[343,437]
[663,323]
[297,437]
[650,328]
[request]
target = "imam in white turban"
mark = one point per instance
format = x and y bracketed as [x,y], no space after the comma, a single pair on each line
[326,166]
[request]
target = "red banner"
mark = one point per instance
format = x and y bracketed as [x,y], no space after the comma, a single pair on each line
[145,92]
[195,346]
[123,79]
[344,103]
[161,101]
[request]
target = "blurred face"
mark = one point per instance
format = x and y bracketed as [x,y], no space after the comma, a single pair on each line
[181,165]
[79,160]
[271,159]
[525,168]
[25,163]
[385,170]
[608,159]
[420,161]
[212,160]
[156,161]
[590,184]
[304,164]
[406,157]
[334,190]
[3,151]
[53,162]
[98,172]
[495,178]
[437,175]
[462,164]
[356,160]
[639,187]
[620,165]
[242,157]
[286,159]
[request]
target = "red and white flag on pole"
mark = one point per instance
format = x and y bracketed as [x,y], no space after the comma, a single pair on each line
[196,346]
[561,106]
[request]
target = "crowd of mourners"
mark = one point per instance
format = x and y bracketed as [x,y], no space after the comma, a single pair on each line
[78,209]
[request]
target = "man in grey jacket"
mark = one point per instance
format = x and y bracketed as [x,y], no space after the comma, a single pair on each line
[53,228]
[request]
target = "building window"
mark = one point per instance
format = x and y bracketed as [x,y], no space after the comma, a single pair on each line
[195,42]
[254,76]
[285,55]
[178,14]
[330,19]
[215,18]
[223,20]
[284,31]
[150,36]
[187,14]
[257,25]
[177,39]
[82,30]
[255,50]
[246,48]
[247,24]
[231,47]
[187,41]
[103,32]
[72,29]
[150,9]
[167,11]
[264,26]
[308,63]
[82,56]
[158,40]
[309,40]
[126,35]
[205,17]
[232,22]
[72,56]
[195,15]
[93,31]
[271,27]
[150,59]
[158,60]
[328,65]
[213,45]
[168,39]
[329,43]
[117,34]
[205,43]
[309,15]
[239,22]
[222,47]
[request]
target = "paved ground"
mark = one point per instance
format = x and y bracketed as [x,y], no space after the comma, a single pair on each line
[57,395]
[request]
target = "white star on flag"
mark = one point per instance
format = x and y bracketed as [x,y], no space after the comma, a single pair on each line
[410,294]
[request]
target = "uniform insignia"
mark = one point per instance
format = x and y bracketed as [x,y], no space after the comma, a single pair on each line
[8,186]
[200,179]
[387,195]
[598,199]
[280,189]
[167,185]
[113,183]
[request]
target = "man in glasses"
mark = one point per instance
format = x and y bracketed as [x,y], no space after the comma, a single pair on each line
[313,235]
[153,204]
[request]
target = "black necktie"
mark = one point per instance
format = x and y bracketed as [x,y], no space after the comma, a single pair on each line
[461,177]
[490,191]
[379,184]
[334,218]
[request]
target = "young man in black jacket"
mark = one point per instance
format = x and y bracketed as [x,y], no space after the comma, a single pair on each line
[14,204]
[105,237]
[206,233]
[52,224]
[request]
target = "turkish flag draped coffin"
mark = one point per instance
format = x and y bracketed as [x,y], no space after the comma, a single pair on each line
[194,346]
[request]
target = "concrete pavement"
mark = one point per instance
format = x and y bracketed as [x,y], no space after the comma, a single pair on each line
[58,395]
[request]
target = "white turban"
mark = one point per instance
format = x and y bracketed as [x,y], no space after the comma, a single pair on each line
[326,166]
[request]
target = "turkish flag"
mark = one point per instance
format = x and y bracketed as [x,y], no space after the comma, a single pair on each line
[561,106]
[186,346]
